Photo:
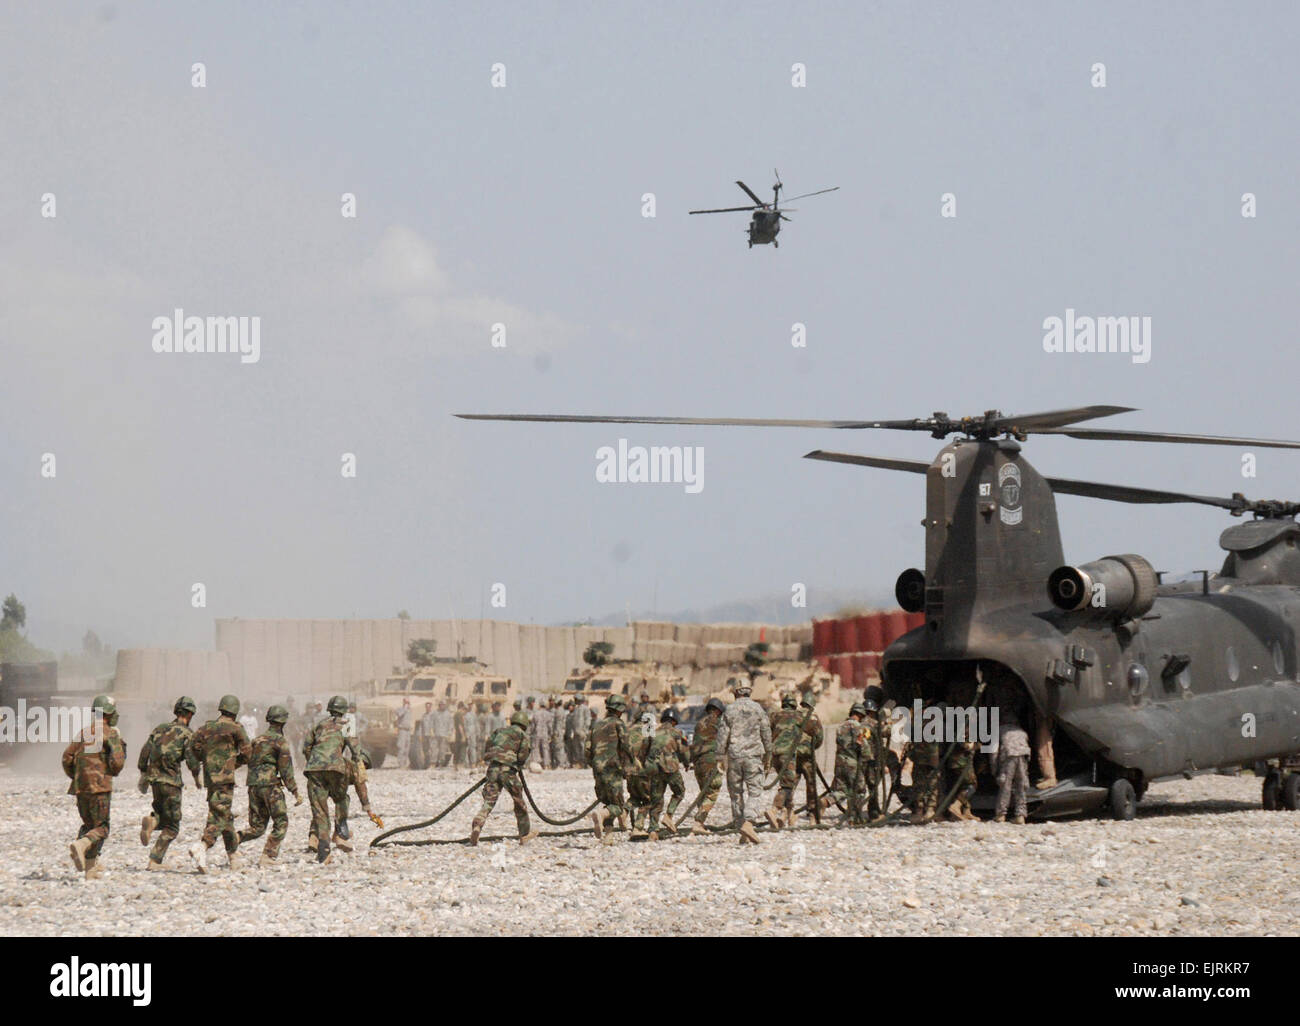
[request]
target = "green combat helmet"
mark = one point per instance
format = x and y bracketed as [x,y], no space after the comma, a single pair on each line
[365,758]
[858,709]
[715,703]
[519,719]
[787,702]
[229,705]
[277,714]
[184,704]
[669,714]
[105,707]
[808,699]
[616,702]
[338,705]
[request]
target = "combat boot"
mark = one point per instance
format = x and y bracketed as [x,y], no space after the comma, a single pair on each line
[199,853]
[1000,819]
[774,818]
[653,836]
[340,842]
[622,820]
[154,867]
[312,844]
[475,829]
[233,860]
[532,835]
[608,839]
[748,833]
[93,869]
[1046,784]
[78,849]
[599,824]
[147,826]
[341,830]
[1018,820]
[698,828]
[266,861]
[322,853]
[666,824]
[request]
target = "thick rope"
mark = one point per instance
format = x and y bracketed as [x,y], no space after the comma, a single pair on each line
[547,819]
[428,822]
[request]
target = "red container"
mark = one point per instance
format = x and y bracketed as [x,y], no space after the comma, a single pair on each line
[843,665]
[824,661]
[915,620]
[873,663]
[871,634]
[895,626]
[846,636]
[823,637]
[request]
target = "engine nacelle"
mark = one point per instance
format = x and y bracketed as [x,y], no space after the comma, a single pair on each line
[1122,587]
[909,591]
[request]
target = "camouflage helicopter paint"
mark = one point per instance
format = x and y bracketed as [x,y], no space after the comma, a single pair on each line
[1143,681]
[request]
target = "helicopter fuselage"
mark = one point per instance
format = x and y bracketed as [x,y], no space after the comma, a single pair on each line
[764,226]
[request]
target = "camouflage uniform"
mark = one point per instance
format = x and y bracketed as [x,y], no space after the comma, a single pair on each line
[485,729]
[925,756]
[961,766]
[849,782]
[91,767]
[581,728]
[507,751]
[444,727]
[1013,770]
[640,735]
[705,759]
[405,721]
[609,754]
[328,773]
[801,739]
[169,747]
[473,743]
[424,736]
[559,756]
[222,746]
[784,723]
[745,741]
[541,722]
[668,751]
[270,770]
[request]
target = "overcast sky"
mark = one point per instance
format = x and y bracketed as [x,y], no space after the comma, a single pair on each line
[523,205]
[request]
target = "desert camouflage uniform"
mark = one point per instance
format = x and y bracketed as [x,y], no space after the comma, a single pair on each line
[668,751]
[405,721]
[507,751]
[92,773]
[270,770]
[485,729]
[705,759]
[169,747]
[745,741]
[473,743]
[444,728]
[609,754]
[559,752]
[222,746]
[328,773]
[1013,769]
[541,721]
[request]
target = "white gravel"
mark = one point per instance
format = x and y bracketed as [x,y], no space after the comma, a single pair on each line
[1201,858]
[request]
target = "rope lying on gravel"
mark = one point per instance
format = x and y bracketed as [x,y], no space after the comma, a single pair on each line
[547,819]
[428,822]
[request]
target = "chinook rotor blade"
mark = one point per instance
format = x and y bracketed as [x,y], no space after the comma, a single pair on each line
[720,210]
[791,199]
[882,462]
[566,418]
[1129,493]
[750,193]
[1113,435]
[1040,422]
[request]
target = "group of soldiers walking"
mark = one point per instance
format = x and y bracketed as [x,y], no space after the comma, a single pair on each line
[334,762]
[458,737]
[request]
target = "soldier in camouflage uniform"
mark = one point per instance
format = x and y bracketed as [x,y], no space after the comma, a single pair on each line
[328,749]
[169,747]
[91,762]
[609,754]
[706,761]
[849,783]
[961,769]
[799,741]
[270,770]
[473,744]
[507,752]
[559,756]
[640,735]
[783,744]
[485,729]
[1013,769]
[925,756]
[745,742]
[222,746]
[357,775]
[668,753]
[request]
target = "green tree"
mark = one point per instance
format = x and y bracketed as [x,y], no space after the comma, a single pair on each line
[756,655]
[421,651]
[15,613]
[598,653]
[402,614]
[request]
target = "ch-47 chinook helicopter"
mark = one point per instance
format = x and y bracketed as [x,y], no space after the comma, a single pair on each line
[1144,681]
[765,224]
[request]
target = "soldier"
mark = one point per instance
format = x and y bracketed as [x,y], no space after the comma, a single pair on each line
[91,762]
[802,738]
[848,783]
[270,770]
[169,747]
[559,722]
[581,729]
[473,744]
[530,710]
[541,723]
[458,739]
[444,729]
[496,719]
[424,736]
[609,755]
[507,752]
[1013,769]
[405,722]
[961,767]
[484,732]
[639,737]
[705,759]
[327,749]
[745,743]
[668,752]
[222,746]
[925,758]
[783,744]
[357,770]
[876,756]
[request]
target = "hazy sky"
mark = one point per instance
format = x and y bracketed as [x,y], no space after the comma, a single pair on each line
[523,205]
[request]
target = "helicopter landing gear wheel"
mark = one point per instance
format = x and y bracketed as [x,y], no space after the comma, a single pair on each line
[1123,800]
[1291,792]
[1270,792]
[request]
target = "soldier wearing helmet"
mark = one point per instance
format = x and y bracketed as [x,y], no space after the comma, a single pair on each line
[328,749]
[609,754]
[222,746]
[668,754]
[848,785]
[640,735]
[270,770]
[170,747]
[507,753]
[358,775]
[798,743]
[745,743]
[91,762]
[704,757]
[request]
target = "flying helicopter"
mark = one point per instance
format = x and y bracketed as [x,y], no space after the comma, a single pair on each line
[1126,680]
[765,224]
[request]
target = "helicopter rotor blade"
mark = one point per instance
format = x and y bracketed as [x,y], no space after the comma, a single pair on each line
[1113,435]
[1129,493]
[880,462]
[1039,423]
[720,210]
[565,418]
[791,199]
[750,193]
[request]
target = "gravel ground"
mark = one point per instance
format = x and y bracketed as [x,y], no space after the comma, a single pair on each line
[1201,858]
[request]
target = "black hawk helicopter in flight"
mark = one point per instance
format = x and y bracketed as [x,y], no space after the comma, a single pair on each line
[765,224]
[1126,681]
